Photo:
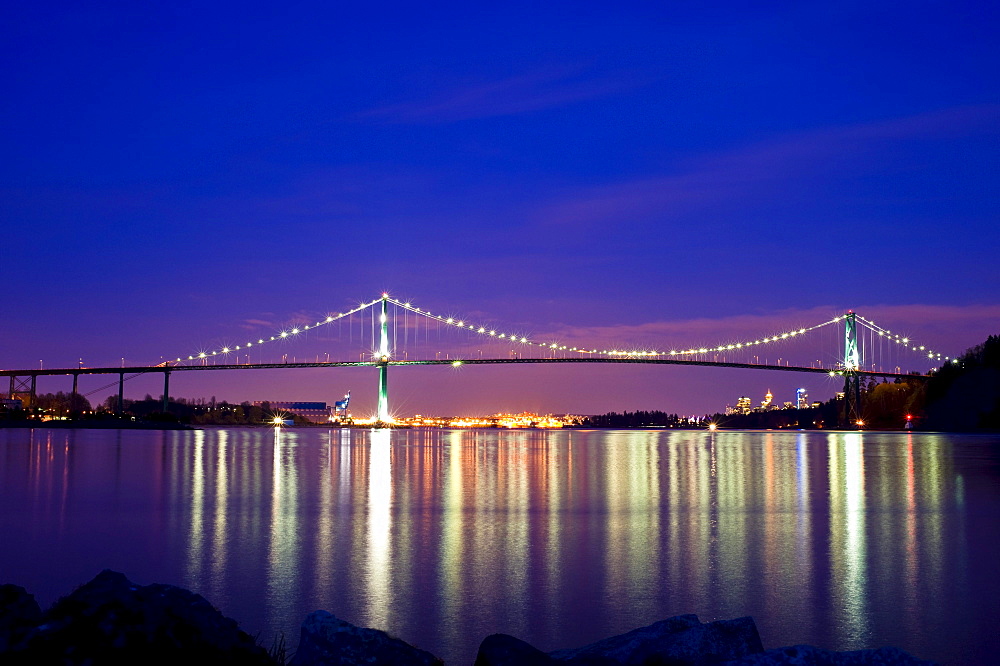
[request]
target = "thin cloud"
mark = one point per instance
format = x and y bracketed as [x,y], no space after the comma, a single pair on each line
[520,94]
[254,324]
[728,177]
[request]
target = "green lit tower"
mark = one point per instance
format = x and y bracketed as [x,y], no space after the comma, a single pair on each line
[383,365]
[852,380]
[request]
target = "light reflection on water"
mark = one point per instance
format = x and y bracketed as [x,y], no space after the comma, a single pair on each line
[844,540]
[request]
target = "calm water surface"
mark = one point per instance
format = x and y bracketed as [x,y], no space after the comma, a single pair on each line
[842,540]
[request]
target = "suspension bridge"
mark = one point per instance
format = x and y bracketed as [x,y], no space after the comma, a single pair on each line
[395,330]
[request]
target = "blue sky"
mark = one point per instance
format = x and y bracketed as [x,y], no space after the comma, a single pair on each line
[171,173]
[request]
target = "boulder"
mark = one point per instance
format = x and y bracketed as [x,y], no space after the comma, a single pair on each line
[327,641]
[111,620]
[19,614]
[678,640]
[808,655]
[506,650]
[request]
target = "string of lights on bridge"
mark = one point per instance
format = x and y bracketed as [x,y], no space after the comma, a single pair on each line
[624,353]
[515,338]
[281,335]
[900,340]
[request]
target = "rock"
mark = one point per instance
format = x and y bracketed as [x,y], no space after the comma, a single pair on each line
[111,620]
[327,641]
[506,650]
[19,614]
[677,640]
[807,655]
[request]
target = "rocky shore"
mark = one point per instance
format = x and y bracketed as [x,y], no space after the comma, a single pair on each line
[110,620]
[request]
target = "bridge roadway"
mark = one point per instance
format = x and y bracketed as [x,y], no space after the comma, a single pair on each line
[19,378]
[136,370]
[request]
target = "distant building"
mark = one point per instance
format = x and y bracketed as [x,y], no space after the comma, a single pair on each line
[801,399]
[743,405]
[766,402]
[317,412]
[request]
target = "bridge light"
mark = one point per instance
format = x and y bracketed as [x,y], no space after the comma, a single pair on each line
[450,321]
[524,339]
[906,339]
[201,355]
[481,330]
[329,318]
[225,350]
[833,374]
[284,334]
[455,364]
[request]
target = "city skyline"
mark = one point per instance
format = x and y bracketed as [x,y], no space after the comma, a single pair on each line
[630,175]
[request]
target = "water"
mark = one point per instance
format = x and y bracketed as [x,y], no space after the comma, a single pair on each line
[842,540]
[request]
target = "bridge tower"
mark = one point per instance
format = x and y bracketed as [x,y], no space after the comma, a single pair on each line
[383,365]
[852,380]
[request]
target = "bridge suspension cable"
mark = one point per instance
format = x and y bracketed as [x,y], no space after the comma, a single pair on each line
[507,335]
[624,353]
[902,340]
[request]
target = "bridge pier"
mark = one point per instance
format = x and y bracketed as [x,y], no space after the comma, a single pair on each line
[121,393]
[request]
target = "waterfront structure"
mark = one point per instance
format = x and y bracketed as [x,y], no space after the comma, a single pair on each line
[317,412]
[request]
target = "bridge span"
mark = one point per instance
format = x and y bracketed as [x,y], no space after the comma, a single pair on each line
[384,355]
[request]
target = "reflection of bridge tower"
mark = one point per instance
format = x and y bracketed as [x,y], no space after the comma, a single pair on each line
[852,380]
[383,365]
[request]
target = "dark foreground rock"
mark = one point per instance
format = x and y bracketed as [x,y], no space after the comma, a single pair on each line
[684,641]
[110,620]
[808,655]
[329,641]
[19,614]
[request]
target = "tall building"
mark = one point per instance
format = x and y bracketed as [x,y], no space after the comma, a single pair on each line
[801,399]
[743,405]
[766,403]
